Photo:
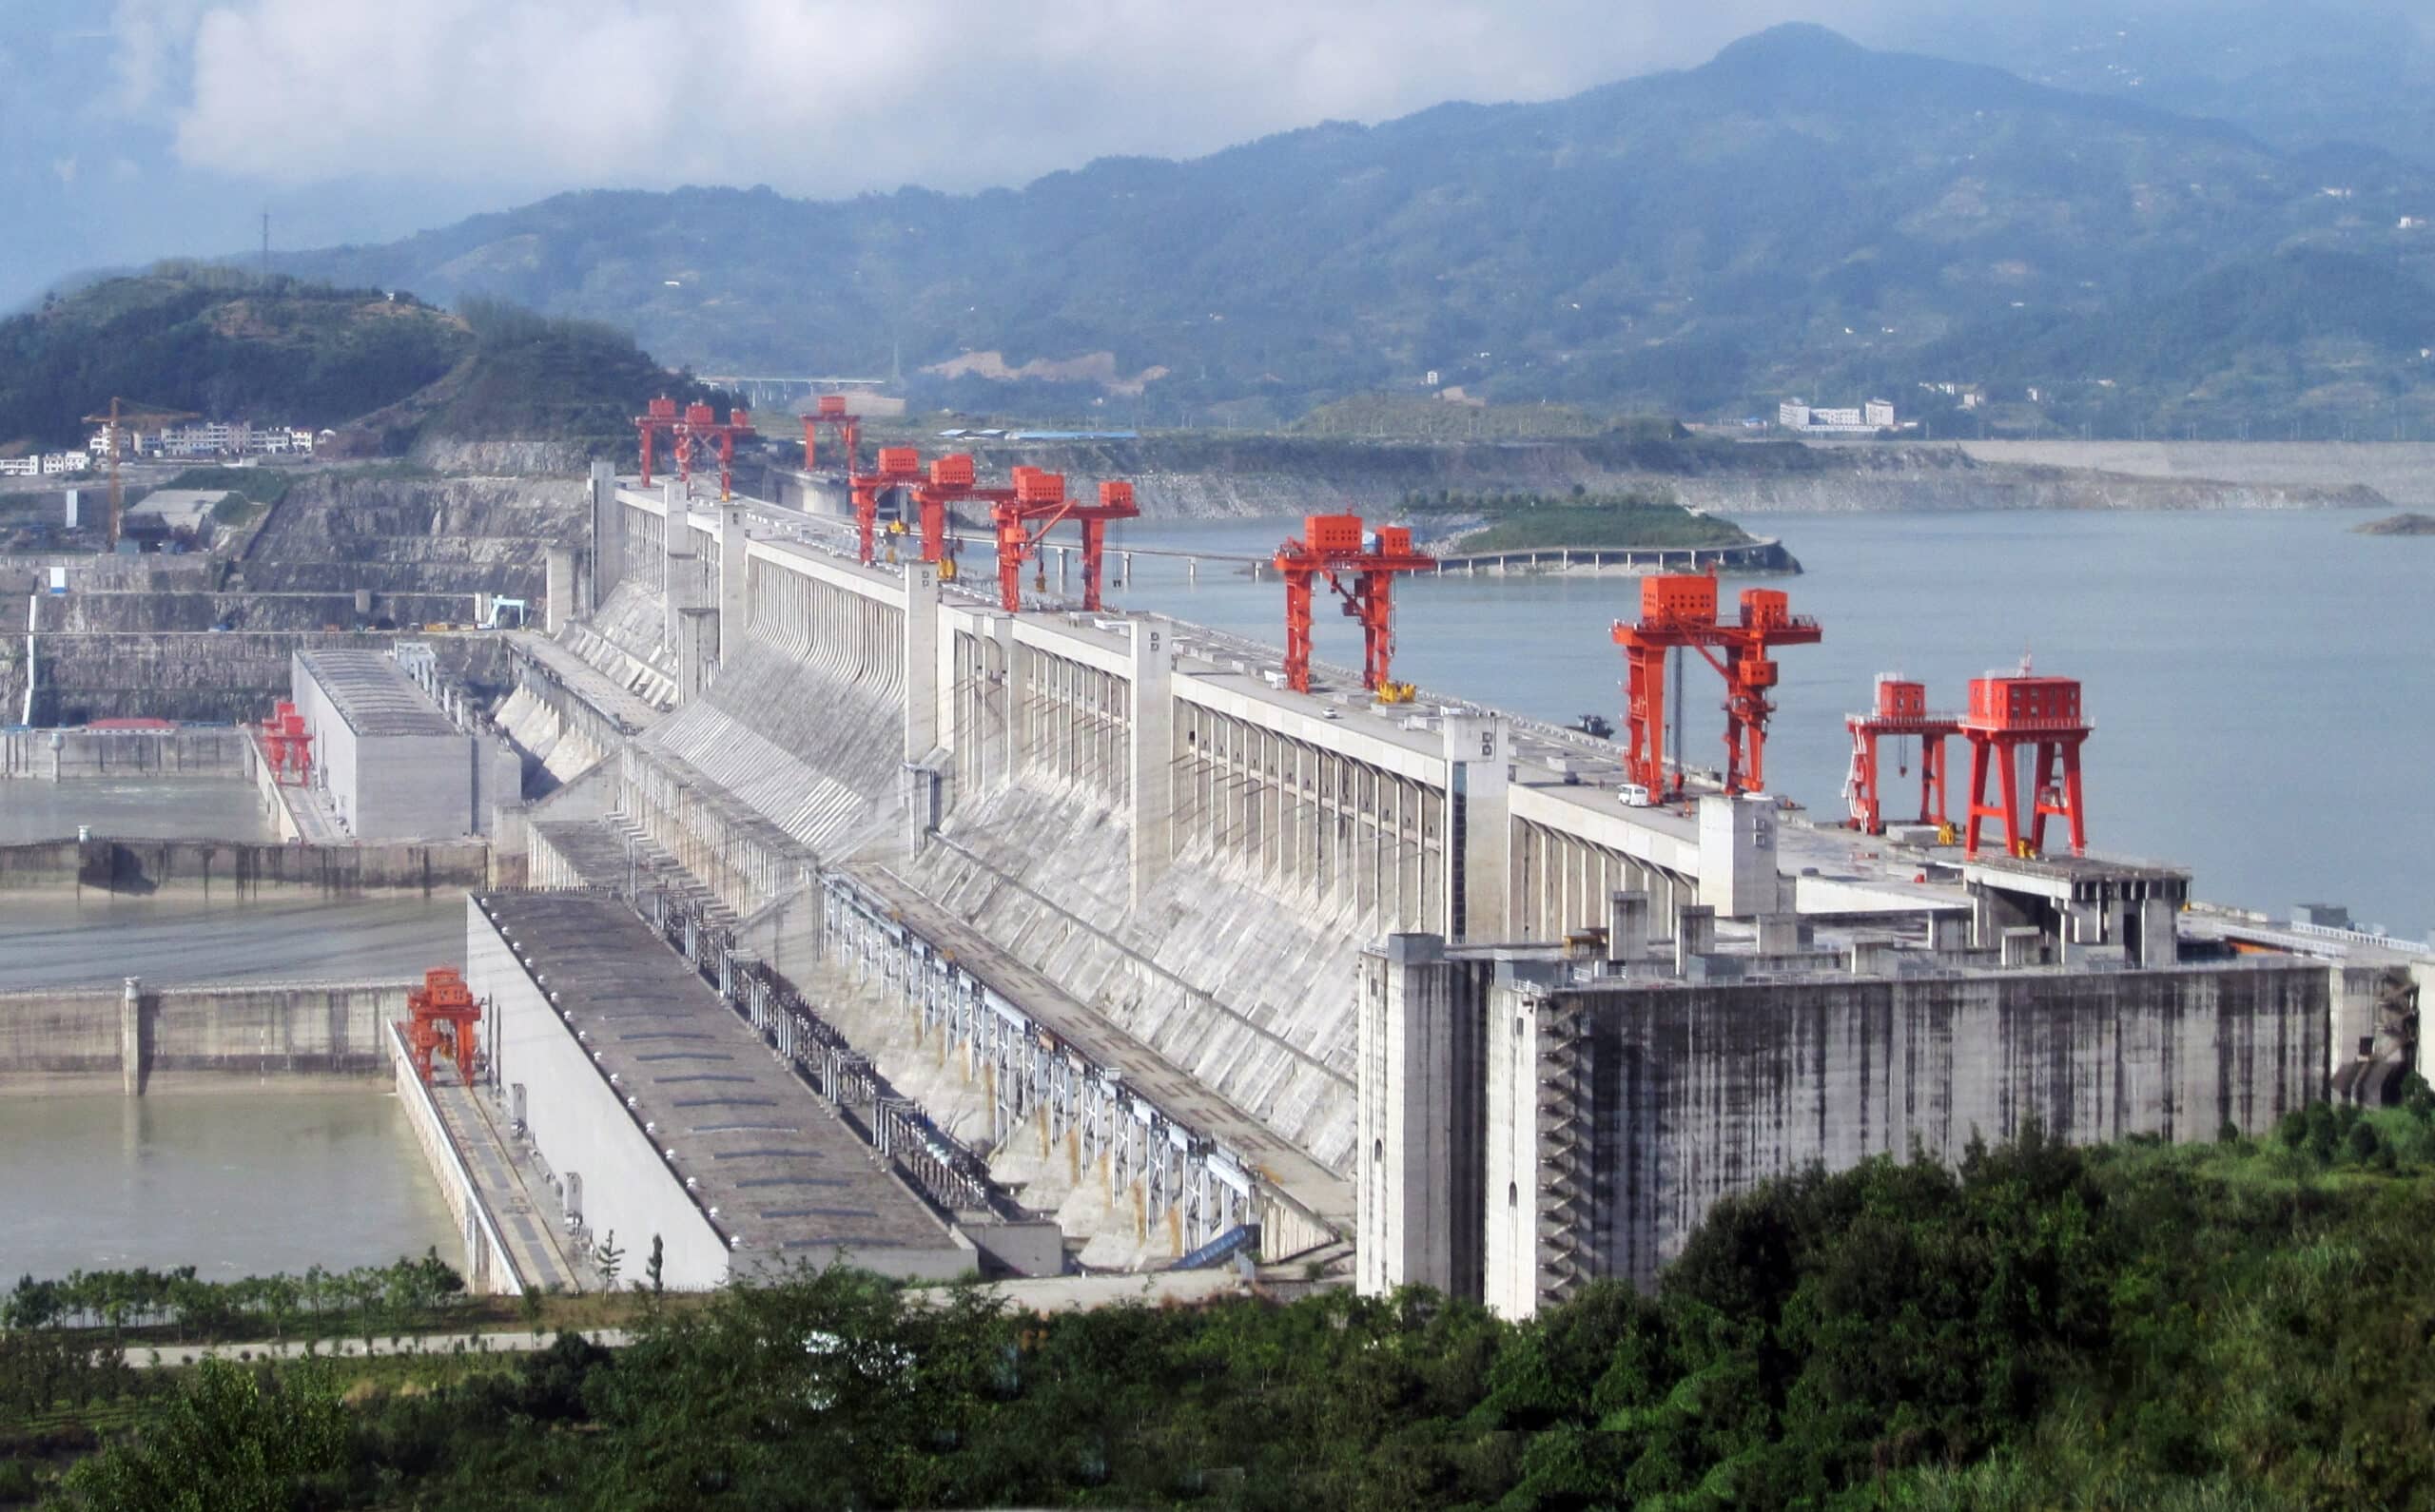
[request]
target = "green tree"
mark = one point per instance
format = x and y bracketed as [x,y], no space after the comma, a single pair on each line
[226,1443]
[609,1259]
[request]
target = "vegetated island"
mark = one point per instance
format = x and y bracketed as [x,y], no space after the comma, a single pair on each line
[2405,523]
[1455,524]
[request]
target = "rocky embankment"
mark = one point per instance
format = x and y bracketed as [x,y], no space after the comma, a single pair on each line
[342,531]
[206,638]
[1215,476]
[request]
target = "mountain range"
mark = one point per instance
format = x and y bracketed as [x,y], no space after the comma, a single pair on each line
[1801,216]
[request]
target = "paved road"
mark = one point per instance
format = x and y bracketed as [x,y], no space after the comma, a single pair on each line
[1036,1295]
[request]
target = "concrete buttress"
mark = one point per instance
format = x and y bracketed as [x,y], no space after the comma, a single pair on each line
[1478,752]
[676,543]
[1151,723]
[921,659]
[608,532]
[733,542]
[557,587]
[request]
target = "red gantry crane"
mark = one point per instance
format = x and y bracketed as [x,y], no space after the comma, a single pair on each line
[696,427]
[1331,547]
[444,1016]
[829,414]
[286,745]
[658,418]
[1902,713]
[899,467]
[1679,610]
[702,428]
[1038,505]
[2008,713]
[951,480]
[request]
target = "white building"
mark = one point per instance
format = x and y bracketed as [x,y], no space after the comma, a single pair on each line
[1792,415]
[1879,413]
[211,439]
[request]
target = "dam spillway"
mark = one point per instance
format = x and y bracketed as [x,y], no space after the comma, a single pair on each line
[1097,894]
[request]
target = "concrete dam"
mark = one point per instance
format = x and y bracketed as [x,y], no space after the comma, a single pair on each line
[1083,918]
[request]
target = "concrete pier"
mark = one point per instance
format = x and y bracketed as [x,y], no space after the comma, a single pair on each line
[131,1038]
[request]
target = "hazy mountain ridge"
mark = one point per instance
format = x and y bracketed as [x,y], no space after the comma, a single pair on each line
[1800,215]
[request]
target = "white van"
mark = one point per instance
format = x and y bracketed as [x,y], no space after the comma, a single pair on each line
[1634,795]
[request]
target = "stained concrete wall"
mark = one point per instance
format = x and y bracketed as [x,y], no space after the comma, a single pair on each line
[223,870]
[75,1039]
[70,754]
[1422,1109]
[1617,1115]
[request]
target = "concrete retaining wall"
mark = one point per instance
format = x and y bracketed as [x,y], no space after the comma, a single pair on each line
[489,1269]
[223,870]
[84,1040]
[68,754]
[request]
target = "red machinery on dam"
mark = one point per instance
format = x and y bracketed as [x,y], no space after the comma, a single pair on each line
[1680,610]
[443,1014]
[1331,547]
[696,429]
[1902,713]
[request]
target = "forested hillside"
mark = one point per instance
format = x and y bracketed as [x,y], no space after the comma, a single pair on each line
[1801,216]
[386,367]
[220,343]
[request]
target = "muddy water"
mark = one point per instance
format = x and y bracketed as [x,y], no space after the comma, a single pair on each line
[234,1184]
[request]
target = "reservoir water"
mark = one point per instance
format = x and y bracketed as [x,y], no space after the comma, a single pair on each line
[234,1184]
[2263,683]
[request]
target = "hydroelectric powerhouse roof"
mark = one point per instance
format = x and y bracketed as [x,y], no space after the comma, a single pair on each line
[782,1173]
[373,694]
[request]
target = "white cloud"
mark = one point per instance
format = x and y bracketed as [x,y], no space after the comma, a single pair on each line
[834,96]
[64,169]
[151,38]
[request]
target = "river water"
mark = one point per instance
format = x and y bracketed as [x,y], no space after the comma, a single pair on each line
[2263,683]
[234,1184]
[134,807]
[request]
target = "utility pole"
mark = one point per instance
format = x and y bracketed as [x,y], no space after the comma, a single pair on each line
[266,245]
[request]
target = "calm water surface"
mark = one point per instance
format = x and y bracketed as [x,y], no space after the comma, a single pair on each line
[234,1184]
[149,809]
[2263,683]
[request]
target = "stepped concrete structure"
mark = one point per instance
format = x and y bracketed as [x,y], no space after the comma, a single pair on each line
[1177,952]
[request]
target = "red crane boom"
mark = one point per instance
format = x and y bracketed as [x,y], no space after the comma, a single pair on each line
[1038,505]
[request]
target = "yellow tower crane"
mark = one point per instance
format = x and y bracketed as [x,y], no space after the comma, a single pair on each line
[122,414]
